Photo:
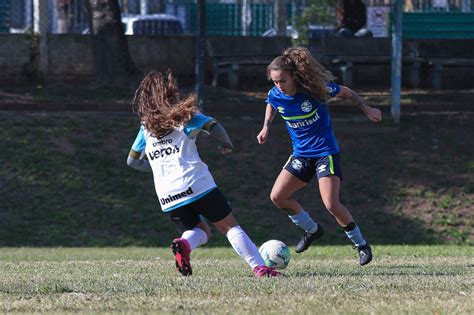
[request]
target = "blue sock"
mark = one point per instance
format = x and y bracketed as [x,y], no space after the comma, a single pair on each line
[355,235]
[304,221]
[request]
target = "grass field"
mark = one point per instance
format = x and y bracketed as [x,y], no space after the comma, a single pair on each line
[64,182]
[323,280]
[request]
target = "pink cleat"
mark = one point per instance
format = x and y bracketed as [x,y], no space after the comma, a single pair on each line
[181,251]
[264,271]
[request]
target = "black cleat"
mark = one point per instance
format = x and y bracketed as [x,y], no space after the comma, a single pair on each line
[308,238]
[365,254]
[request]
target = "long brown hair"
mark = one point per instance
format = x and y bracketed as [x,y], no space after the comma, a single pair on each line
[158,104]
[310,76]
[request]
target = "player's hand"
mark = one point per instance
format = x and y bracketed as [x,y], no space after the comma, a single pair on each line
[374,114]
[262,136]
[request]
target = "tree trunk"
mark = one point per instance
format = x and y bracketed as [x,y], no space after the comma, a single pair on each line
[113,64]
[280,16]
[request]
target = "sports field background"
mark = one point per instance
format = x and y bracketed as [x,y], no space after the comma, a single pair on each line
[82,232]
[65,181]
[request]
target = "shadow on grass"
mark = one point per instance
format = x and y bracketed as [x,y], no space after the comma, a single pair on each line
[64,181]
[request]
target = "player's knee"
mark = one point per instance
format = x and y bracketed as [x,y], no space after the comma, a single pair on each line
[277,198]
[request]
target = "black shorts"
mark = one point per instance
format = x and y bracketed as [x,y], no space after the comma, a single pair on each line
[305,168]
[213,206]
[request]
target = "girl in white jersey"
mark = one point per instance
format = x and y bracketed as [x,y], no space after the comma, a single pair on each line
[302,87]
[185,188]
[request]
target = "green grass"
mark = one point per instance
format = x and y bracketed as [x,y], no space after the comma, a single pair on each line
[401,279]
[64,181]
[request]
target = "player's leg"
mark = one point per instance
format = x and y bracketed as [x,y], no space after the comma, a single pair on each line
[197,236]
[194,233]
[295,175]
[216,208]
[329,179]
[283,189]
[244,247]
[329,189]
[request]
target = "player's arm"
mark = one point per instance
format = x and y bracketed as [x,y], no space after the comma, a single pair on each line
[372,113]
[216,130]
[269,115]
[136,158]
[135,161]
[202,123]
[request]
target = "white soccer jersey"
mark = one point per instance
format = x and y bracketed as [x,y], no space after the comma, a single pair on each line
[179,173]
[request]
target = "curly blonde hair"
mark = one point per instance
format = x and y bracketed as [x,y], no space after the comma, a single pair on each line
[158,104]
[310,76]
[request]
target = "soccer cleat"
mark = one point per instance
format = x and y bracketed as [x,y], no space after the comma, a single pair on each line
[181,251]
[365,254]
[308,238]
[264,271]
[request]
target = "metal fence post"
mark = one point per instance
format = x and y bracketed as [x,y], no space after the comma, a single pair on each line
[143,7]
[41,26]
[396,60]
[200,53]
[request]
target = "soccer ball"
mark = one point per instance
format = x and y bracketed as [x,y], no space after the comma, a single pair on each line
[275,253]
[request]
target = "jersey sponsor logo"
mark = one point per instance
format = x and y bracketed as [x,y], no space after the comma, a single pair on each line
[281,110]
[304,123]
[170,198]
[306,106]
[162,142]
[163,152]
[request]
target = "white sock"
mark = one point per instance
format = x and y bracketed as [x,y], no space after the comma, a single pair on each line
[304,221]
[246,249]
[195,237]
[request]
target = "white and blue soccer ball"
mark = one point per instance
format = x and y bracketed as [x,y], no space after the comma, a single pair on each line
[275,253]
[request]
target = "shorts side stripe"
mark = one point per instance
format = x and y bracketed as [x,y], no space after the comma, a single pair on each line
[331,164]
[287,162]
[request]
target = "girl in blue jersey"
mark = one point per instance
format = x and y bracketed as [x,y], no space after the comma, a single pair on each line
[302,87]
[183,183]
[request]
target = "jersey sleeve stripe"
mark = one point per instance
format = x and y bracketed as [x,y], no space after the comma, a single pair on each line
[139,143]
[197,123]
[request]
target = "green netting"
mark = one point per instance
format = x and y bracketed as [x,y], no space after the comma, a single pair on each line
[438,25]
[4,15]
[226,18]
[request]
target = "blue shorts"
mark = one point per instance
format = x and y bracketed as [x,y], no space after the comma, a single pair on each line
[304,168]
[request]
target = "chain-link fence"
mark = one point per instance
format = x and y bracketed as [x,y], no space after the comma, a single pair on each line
[225,17]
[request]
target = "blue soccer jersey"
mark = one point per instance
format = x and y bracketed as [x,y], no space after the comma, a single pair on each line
[307,121]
